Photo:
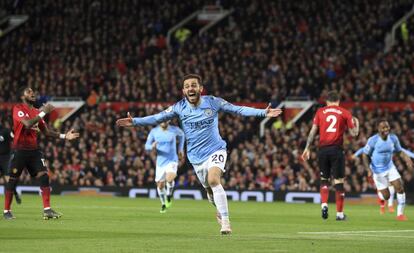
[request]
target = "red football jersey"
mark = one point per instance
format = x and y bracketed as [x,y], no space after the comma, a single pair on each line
[332,122]
[25,138]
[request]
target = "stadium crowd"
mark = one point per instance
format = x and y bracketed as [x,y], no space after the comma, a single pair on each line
[108,156]
[266,51]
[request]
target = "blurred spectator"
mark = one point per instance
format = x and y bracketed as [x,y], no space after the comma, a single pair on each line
[116,156]
[267,50]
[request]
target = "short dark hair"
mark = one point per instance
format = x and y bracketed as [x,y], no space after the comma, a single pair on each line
[379,121]
[22,89]
[191,76]
[332,96]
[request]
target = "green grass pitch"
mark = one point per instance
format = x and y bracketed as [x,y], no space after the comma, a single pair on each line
[107,224]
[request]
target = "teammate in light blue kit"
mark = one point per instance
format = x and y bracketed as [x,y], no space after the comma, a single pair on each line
[206,150]
[379,149]
[163,141]
[390,187]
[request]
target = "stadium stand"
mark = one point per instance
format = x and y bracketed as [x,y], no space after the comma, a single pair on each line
[104,156]
[266,51]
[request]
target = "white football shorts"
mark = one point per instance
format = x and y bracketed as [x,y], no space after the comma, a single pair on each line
[382,179]
[217,159]
[161,172]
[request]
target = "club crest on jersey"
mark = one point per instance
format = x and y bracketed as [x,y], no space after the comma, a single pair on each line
[20,114]
[208,112]
[14,170]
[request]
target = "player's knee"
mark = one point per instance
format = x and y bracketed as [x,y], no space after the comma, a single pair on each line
[399,188]
[11,183]
[213,181]
[170,177]
[339,187]
[385,194]
[44,180]
[214,176]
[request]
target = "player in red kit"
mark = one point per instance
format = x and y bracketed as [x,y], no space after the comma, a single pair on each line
[331,121]
[27,123]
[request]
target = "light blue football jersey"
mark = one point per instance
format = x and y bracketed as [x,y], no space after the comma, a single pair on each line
[166,144]
[200,124]
[380,151]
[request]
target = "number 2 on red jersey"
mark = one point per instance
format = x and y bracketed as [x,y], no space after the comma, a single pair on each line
[331,119]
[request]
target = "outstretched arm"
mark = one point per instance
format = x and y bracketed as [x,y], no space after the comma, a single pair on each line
[146,121]
[70,135]
[401,152]
[272,112]
[408,152]
[311,137]
[406,159]
[358,153]
[125,122]
[248,111]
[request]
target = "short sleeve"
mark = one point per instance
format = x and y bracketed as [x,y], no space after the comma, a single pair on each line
[369,147]
[18,114]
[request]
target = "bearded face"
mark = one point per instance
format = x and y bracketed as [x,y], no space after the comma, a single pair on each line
[192,90]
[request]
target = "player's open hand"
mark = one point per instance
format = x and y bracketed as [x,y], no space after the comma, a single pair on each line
[306,154]
[125,122]
[47,108]
[272,112]
[71,135]
[154,145]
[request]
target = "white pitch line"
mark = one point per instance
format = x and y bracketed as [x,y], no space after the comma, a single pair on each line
[356,232]
[387,236]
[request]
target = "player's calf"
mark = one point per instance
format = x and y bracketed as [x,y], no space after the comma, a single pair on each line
[384,194]
[340,198]
[8,195]
[324,192]
[45,189]
[170,187]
